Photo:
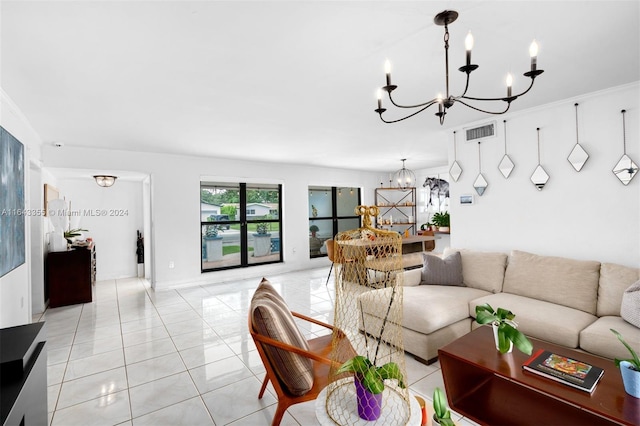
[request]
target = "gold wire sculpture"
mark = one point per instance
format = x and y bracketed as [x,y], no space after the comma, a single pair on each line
[368,309]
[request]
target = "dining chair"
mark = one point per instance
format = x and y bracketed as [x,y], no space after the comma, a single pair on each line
[329,244]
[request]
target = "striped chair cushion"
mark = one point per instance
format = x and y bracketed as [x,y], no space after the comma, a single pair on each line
[272,318]
[437,271]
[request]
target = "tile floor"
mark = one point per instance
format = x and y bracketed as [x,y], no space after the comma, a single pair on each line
[135,356]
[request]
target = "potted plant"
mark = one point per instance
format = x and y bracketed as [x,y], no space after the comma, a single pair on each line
[629,368]
[441,413]
[262,240]
[313,229]
[442,221]
[425,226]
[504,329]
[368,378]
[369,382]
[213,242]
[72,233]
[262,228]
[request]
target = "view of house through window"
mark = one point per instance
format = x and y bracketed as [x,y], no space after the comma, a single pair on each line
[331,210]
[240,224]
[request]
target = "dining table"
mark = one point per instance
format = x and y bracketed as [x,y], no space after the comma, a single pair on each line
[381,254]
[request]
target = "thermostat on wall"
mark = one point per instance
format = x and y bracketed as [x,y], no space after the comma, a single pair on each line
[466,199]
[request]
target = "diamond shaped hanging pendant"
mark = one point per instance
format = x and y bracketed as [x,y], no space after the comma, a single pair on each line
[480,184]
[578,157]
[539,177]
[455,171]
[506,166]
[625,169]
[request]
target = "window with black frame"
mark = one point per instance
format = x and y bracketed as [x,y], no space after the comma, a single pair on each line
[240,224]
[331,210]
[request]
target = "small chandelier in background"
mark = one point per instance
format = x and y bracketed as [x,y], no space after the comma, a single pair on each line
[105,181]
[404,177]
[444,103]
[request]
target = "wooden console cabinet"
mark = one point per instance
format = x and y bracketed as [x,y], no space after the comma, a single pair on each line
[71,275]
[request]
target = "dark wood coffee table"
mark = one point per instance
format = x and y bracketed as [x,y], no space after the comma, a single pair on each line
[491,388]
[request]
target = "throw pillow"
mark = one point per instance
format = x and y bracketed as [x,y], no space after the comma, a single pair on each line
[437,271]
[272,318]
[630,308]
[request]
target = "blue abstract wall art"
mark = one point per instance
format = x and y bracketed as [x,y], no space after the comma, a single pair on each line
[12,229]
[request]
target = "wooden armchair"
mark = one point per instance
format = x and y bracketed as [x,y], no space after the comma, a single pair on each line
[273,351]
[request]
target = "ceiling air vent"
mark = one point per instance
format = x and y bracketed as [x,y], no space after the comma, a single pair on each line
[481,132]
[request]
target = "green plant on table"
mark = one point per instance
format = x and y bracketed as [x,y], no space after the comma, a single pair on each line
[440,409]
[365,370]
[634,360]
[441,219]
[507,331]
[372,377]
[72,233]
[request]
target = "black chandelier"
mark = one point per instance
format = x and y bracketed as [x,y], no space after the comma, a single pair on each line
[444,103]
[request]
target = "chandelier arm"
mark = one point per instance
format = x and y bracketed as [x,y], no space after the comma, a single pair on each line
[466,87]
[485,111]
[506,99]
[408,116]
[426,104]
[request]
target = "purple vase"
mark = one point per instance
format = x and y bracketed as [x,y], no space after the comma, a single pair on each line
[369,405]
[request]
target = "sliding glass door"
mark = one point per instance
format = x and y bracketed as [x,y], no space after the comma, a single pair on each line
[240,225]
[331,210]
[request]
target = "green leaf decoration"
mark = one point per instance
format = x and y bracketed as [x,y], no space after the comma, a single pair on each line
[372,377]
[484,317]
[392,371]
[372,381]
[439,403]
[635,361]
[358,364]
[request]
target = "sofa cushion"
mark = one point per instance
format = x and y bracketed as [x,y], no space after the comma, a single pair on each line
[272,318]
[543,320]
[567,282]
[630,308]
[597,338]
[447,271]
[411,277]
[428,308]
[614,280]
[481,270]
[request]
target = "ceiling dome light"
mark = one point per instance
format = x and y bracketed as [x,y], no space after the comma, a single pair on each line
[105,181]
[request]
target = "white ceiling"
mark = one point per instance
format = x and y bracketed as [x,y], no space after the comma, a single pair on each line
[292,82]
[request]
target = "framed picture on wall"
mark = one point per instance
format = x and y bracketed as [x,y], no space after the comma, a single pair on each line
[437,187]
[50,193]
[12,225]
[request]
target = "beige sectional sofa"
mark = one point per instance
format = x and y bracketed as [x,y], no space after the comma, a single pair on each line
[569,302]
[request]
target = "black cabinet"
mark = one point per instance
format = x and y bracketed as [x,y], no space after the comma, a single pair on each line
[71,275]
[23,360]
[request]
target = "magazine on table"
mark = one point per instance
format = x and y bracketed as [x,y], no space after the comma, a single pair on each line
[560,368]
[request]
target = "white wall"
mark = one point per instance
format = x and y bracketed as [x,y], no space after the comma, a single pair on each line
[15,287]
[112,216]
[175,205]
[585,215]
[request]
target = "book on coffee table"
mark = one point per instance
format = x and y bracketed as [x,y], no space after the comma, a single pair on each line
[571,372]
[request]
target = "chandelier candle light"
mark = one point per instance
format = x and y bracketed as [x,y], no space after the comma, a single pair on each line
[444,103]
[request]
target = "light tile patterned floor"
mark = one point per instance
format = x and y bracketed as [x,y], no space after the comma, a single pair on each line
[139,357]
